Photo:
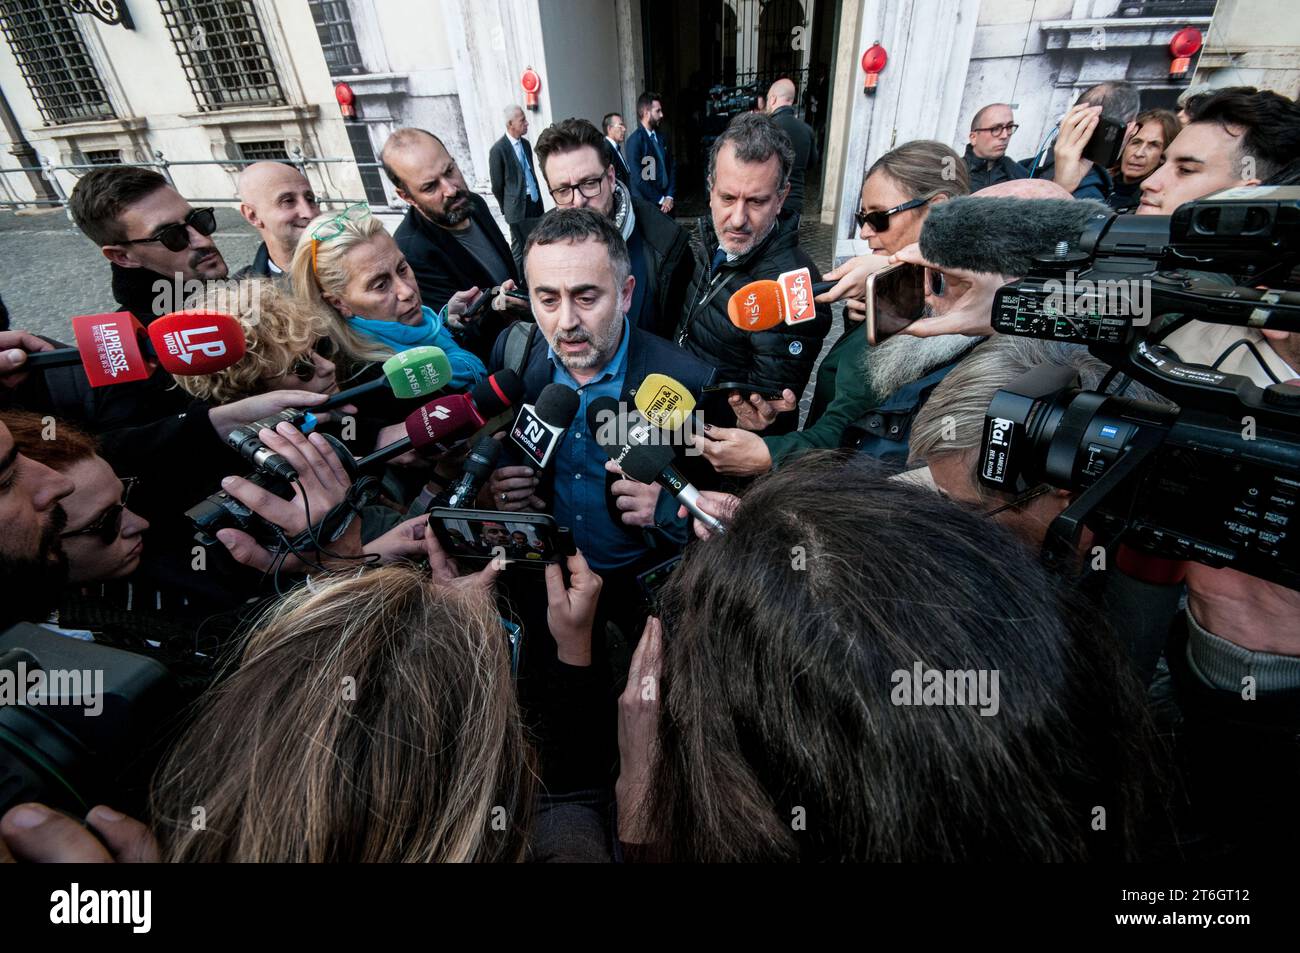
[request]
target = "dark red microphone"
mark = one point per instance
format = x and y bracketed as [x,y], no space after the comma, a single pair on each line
[441,420]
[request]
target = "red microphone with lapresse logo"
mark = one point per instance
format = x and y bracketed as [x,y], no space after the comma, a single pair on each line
[116,348]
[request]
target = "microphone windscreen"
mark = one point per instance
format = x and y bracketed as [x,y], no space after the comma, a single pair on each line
[501,390]
[644,463]
[1002,235]
[482,460]
[110,347]
[557,405]
[439,419]
[197,342]
[664,401]
[757,306]
[418,371]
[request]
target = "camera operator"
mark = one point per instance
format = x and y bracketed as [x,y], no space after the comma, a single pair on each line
[1238,136]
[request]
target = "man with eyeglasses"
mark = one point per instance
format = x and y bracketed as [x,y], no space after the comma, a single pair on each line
[579,174]
[986,155]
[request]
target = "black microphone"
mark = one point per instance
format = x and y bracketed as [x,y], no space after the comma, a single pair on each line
[539,427]
[644,462]
[480,463]
[1004,235]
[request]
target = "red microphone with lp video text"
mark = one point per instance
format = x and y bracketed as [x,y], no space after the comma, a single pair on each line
[116,348]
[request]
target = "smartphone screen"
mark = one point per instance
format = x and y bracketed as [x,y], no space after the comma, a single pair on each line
[1105,143]
[895,298]
[483,535]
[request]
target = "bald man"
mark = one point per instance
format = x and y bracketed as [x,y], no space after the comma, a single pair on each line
[780,105]
[278,201]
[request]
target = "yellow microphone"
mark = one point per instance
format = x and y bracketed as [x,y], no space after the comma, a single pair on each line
[664,401]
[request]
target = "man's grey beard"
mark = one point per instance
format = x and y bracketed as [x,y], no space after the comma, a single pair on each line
[603,346]
[904,358]
[450,219]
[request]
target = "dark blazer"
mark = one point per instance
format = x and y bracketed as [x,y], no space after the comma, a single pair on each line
[508,184]
[805,154]
[261,267]
[619,163]
[646,354]
[443,266]
[636,148]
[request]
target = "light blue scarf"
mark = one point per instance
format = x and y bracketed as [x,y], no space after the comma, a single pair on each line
[399,336]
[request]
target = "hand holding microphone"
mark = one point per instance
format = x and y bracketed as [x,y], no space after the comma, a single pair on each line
[721,506]
[16,347]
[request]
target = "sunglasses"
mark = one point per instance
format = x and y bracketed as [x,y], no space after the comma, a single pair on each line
[176,236]
[879,221]
[109,525]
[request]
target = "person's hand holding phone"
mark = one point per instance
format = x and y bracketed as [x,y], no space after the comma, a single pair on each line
[443,569]
[1076,129]
[966,305]
[733,451]
[571,610]
[850,284]
[758,413]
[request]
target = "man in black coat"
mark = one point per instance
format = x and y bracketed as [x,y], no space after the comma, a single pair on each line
[514,181]
[749,172]
[986,155]
[615,133]
[780,103]
[579,175]
[448,236]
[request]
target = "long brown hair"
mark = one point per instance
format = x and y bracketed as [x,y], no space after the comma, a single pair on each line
[372,718]
[781,736]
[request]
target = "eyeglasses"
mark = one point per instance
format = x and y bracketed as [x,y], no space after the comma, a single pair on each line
[879,221]
[336,226]
[109,525]
[1001,129]
[590,188]
[304,368]
[176,236]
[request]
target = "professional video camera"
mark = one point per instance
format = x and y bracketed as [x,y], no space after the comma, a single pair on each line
[1214,479]
[728,101]
[272,473]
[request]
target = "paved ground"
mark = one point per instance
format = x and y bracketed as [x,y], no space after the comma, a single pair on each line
[50,272]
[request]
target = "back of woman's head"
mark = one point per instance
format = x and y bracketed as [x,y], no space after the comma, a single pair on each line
[372,718]
[320,267]
[791,727]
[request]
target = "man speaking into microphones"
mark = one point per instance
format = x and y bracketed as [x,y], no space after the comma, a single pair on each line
[580,283]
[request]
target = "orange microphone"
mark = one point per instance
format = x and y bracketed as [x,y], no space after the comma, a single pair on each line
[762,305]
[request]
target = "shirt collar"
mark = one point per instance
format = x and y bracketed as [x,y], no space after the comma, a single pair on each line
[616,368]
[513,141]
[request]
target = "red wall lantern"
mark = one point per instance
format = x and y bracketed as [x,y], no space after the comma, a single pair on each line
[532,84]
[1183,47]
[346,99]
[873,61]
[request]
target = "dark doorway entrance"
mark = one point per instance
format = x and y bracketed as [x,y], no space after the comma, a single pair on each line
[712,59]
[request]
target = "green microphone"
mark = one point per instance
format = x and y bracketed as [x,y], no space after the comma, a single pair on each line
[416,372]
